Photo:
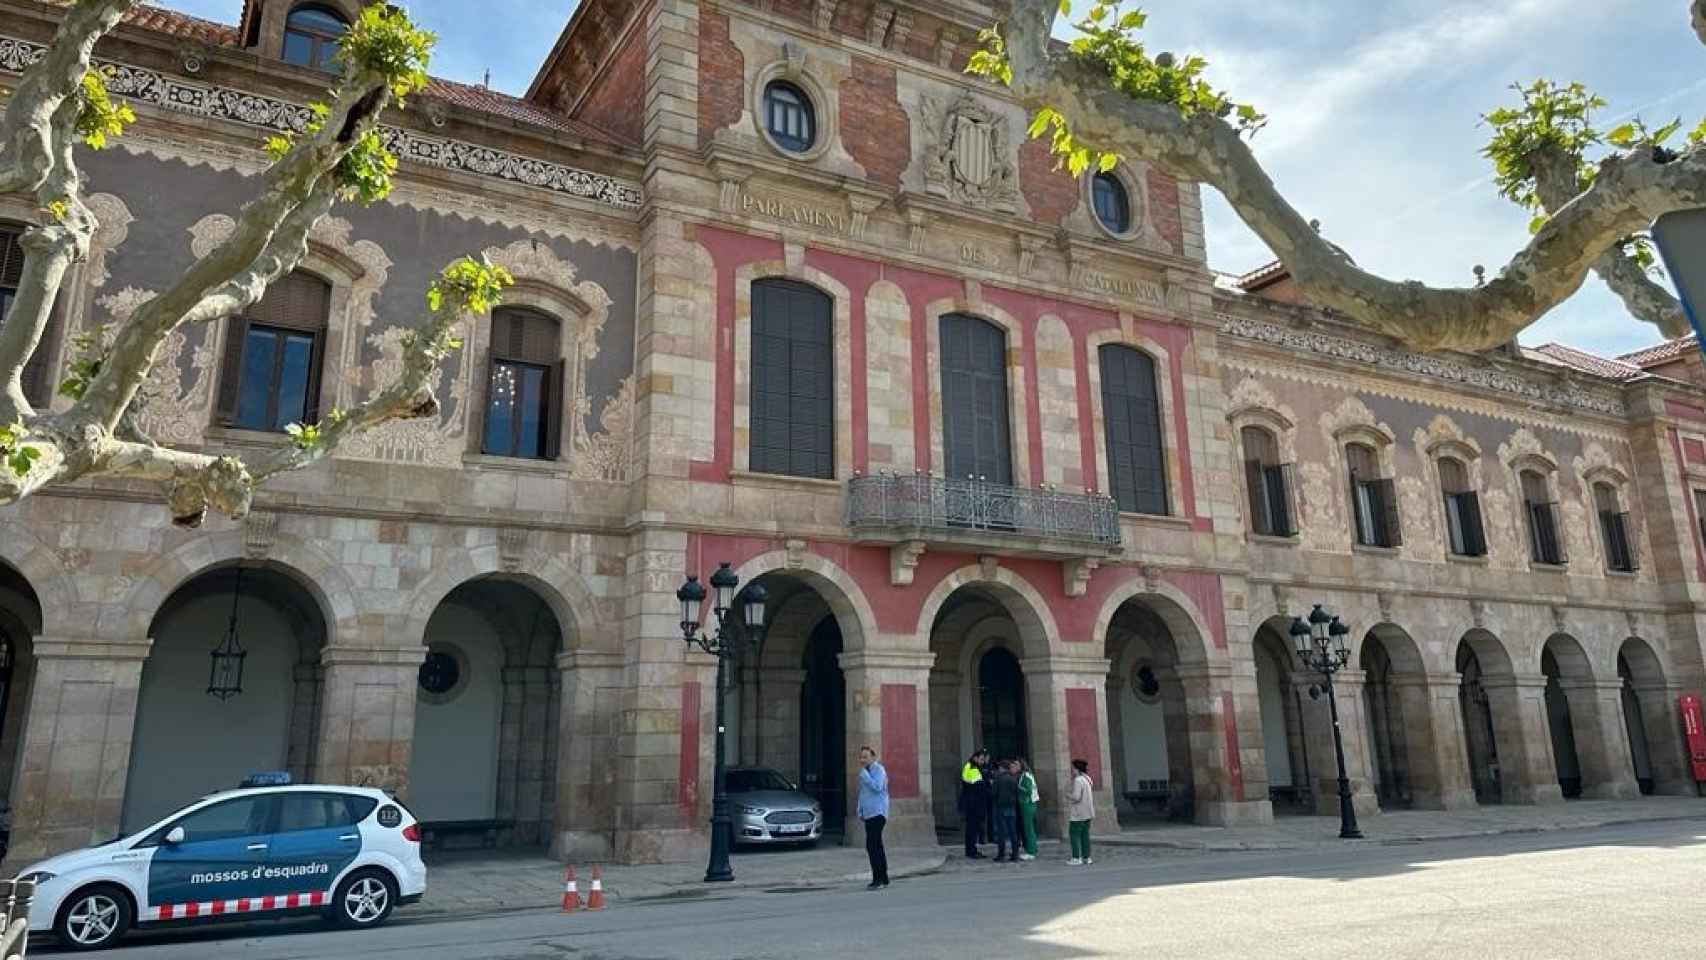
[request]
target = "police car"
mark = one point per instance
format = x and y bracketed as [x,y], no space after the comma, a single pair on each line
[268,848]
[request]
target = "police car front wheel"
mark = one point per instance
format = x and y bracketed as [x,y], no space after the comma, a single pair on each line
[94,918]
[365,899]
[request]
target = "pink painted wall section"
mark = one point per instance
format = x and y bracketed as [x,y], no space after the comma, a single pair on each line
[1694,450]
[687,789]
[900,739]
[728,251]
[1686,411]
[858,275]
[1084,732]
[1688,503]
[1204,591]
[1234,762]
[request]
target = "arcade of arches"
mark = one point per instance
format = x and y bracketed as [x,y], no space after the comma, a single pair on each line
[507,726]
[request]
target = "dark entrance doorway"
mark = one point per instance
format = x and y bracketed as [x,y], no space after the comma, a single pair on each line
[823,725]
[1478,727]
[1562,728]
[1001,690]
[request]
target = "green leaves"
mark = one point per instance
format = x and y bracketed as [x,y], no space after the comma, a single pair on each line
[304,436]
[469,285]
[365,172]
[89,353]
[991,61]
[101,117]
[385,41]
[1551,118]
[20,458]
[1623,136]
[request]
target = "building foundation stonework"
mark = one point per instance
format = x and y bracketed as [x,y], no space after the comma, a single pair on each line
[1017,469]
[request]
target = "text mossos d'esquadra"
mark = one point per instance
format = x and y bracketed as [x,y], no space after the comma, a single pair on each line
[263,873]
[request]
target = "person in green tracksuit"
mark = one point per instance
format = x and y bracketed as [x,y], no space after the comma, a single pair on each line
[1028,797]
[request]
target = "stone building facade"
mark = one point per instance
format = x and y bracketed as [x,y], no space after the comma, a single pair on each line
[794,294]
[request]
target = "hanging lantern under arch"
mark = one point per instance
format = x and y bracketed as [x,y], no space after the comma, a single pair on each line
[225,678]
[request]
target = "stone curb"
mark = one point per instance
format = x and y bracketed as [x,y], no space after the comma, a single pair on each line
[1227,846]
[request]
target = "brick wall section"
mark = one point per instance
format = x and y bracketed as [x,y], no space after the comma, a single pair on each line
[617,103]
[873,125]
[722,72]
[798,9]
[1164,209]
[1051,193]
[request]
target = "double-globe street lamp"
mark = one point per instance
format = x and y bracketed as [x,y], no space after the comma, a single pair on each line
[724,644]
[1323,645]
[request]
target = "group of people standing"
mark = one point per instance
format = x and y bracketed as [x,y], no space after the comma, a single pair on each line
[999,800]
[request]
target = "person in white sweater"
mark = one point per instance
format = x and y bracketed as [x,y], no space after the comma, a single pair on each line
[1081,809]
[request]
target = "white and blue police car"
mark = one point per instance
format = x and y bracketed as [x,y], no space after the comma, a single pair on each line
[267,848]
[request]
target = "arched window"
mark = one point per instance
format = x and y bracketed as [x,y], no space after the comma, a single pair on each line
[1544,543]
[976,432]
[524,385]
[38,372]
[1374,501]
[1614,527]
[1268,482]
[793,380]
[1131,414]
[311,35]
[1464,535]
[270,374]
[1111,201]
[789,116]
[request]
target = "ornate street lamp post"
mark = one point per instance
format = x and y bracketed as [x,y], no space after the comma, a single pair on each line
[724,645]
[1323,646]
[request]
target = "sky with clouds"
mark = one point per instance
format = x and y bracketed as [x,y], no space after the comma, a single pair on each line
[1375,111]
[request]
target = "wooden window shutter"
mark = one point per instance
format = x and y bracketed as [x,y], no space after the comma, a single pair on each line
[1279,496]
[554,410]
[1389,505]
[1261,506]
[11,256]
[1131,415]
[1469,513]
[976,433]
[297,301]
[231,368]
[316,361]
[791,408]
[525,336]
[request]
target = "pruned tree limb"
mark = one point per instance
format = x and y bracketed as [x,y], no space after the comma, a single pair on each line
[1628,193]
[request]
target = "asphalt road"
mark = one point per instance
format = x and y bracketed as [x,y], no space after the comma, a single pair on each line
[1628,891]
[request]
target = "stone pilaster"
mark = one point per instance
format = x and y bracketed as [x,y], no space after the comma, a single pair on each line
[367,716]
[584,824]
[1228,776]
[1602,742]
[1667,751]
[1353,732]
[1067,705]
[69,789]
[775,731]
[888,707]
[1433,731]
[1527,770]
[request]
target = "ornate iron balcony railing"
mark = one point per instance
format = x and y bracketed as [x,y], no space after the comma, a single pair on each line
[923,502]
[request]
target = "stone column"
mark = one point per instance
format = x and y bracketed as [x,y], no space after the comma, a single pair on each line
[1228,775]
[888,707]
[1527,771]
[1353,731]
[1116,773]
[584,821]
[69,788]
[367,716]
[1433,731]
[1066,697]
[1667,751]
[946,752]
[1602,742]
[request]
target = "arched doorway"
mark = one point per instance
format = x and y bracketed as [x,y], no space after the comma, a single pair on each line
[823,725]
[1657,752]
[1560,721]
[188,743]
[1001,701]
[20,623]
[1283,742]
[1399,728]
[1147,717]
[1479,739]
[1640,753]
[486,717]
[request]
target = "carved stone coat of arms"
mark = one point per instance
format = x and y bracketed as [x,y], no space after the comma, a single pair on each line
[969,155]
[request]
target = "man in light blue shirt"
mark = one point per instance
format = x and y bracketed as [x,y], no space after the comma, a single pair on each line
[874,811]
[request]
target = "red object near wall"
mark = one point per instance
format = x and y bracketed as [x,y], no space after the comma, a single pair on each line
[900,739]
[1694,731]
[1083,731]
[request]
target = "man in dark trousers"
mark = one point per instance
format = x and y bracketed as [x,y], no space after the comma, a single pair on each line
[1006,790]
[874,811]
[974,801]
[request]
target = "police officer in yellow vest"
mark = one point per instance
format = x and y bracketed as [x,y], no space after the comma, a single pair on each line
[974,800]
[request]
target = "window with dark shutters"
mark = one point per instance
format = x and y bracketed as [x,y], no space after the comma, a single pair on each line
[1545,540]
[38,381]
[1374,500]
[1614,528]
[270,373]
[1131,414]
[793,380]
[1268,483]
[525,374]
[1463,534]
[976,434]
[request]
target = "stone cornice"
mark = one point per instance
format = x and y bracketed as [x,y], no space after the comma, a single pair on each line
[173,93]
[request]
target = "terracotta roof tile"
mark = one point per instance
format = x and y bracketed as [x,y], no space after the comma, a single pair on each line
[1587,362]
[1262,276]
[1660,353]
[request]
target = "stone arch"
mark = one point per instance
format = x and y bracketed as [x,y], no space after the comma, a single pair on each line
[1018,411]
[1397,718]
[1658,754]
[1022,601]
[1292,766]
[1573,660]
[1493,742]
[40,566]
[312,569]
[1590,748]
[847,602]
[563,589]
[793,267]
[1168,413]
[1183,619]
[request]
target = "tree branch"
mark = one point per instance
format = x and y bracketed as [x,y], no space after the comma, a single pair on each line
[28,126]
[1628,193]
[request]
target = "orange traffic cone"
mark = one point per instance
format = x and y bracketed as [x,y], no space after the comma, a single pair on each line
[571,894]
[595,899]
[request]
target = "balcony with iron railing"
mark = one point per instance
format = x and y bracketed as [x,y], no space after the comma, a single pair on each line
[977,514]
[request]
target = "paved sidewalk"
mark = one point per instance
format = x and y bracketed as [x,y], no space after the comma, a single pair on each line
[483,882]
[1302,832]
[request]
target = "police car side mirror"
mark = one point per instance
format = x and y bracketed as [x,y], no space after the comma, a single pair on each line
[175,836]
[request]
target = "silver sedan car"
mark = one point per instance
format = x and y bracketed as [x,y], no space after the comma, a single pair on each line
[768,808]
